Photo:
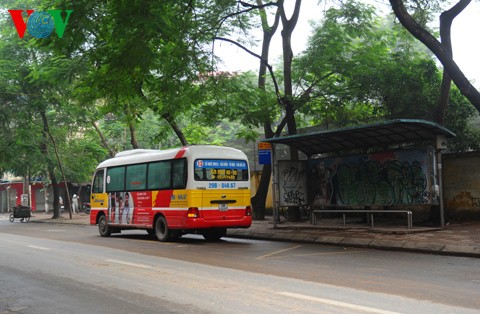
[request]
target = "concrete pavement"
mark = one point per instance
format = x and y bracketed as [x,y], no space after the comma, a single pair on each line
[457,238]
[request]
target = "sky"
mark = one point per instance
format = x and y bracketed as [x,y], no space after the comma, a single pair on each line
[466,46]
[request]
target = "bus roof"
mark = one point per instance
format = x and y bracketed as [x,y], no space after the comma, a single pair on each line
[136,156]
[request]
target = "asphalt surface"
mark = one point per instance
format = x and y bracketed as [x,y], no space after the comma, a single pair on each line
[457,238]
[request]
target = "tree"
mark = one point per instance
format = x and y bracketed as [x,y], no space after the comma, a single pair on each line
[446,20]
[142,55]
[344,52]
[41,94]
[266,117]
[361,68]
[458,118]
[286,101]
[442,50]
[288,28]
[259,200]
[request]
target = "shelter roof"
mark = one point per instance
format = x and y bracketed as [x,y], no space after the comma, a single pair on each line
[381,134]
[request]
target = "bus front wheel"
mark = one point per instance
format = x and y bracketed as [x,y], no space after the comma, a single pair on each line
[103,227]
[161,229]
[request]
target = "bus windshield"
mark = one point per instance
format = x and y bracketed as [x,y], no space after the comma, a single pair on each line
[221,170]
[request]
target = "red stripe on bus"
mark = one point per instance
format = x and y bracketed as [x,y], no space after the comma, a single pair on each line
[181,152]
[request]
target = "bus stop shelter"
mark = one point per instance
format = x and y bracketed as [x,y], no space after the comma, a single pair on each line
[366,143]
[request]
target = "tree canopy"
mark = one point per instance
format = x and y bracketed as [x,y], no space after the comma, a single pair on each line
[142,74]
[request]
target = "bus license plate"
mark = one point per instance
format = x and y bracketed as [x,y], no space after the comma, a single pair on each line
[222,207]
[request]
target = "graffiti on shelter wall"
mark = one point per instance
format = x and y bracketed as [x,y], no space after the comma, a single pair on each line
[393,178]
[292,181]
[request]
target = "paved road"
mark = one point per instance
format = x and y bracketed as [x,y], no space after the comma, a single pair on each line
[73,263]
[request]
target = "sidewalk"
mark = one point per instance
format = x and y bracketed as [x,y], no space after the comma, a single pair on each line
[460,239]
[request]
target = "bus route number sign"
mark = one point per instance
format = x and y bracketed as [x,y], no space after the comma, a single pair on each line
[224,174]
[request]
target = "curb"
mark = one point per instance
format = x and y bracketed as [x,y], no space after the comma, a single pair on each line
[385,245]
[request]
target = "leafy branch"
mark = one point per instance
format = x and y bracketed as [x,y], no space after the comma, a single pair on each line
[262,60]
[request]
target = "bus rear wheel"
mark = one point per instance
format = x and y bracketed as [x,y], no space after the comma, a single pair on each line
[103,227]
[214,234]
[161,229]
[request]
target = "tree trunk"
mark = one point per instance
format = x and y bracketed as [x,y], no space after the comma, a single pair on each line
[446,20]
[104,142]
[260,198]
[175,128]
[133,136]
[51,168]
[288,27]
[440,51]
[171,121]
[51,175]
[56,193]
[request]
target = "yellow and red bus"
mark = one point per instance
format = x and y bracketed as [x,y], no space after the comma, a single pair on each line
[200,189]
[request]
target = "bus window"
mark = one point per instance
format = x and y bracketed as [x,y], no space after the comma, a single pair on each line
[179,179]
[159,175]
[98,182]
[136,177]
[116,179]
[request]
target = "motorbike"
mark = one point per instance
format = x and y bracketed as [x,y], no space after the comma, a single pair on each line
[86,208]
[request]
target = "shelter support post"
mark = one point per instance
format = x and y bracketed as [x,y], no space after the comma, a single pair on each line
[275,192]
[440,189]
[440,145]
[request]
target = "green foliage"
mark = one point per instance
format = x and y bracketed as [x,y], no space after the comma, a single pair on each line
[348,44]
[81,157]
[37,80]
[236,97]
[130,64]
[405,87]
[361,68]
[424,11]
[462,119]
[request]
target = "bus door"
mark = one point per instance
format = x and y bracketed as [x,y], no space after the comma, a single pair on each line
[98,197]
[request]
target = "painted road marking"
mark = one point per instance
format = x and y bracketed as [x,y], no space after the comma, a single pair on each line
[319,254]
[128,264]
[271,255]
[350,306]
[39,247]
[278,252]
[377,269]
